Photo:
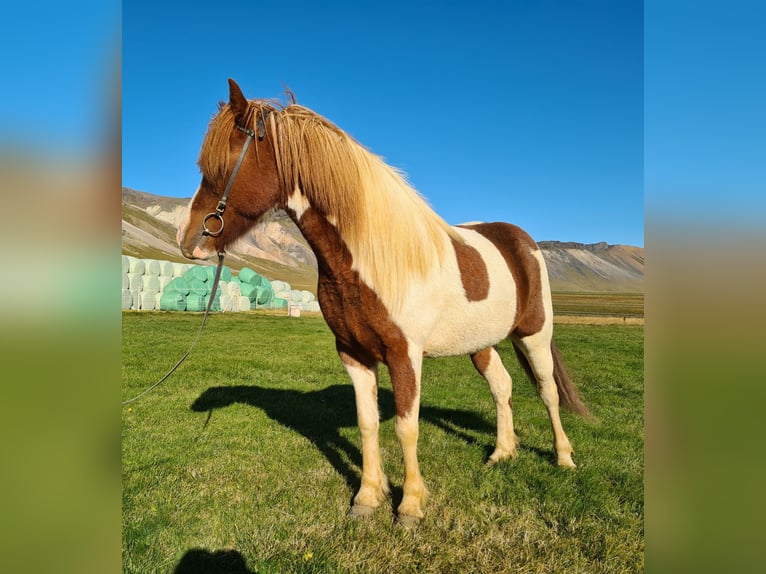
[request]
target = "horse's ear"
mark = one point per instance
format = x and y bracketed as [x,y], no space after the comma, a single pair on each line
[237,99]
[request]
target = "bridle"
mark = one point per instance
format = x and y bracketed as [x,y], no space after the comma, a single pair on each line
[217,214]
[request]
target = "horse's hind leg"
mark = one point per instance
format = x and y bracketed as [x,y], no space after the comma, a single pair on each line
[489,365]
[374,488]
[537,350]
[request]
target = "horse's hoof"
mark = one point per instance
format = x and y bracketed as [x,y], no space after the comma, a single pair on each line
[361,511]
[408,521]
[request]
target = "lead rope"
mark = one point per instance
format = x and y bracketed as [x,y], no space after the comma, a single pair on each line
[204,320]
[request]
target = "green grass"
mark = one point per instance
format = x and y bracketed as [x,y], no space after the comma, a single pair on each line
[247,458]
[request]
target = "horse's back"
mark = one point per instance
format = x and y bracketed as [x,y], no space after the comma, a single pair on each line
[486,289]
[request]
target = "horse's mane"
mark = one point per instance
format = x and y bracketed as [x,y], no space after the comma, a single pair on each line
[393,235]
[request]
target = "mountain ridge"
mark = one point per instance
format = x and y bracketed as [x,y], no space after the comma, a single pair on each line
[275,248]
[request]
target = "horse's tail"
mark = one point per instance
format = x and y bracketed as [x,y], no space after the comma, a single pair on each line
[568,394]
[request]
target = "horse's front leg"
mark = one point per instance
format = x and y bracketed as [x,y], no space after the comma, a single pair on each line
[374,489]
[405,372]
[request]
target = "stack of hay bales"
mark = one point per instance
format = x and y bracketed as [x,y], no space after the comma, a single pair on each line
[144,281]
[294,297]
[150,284]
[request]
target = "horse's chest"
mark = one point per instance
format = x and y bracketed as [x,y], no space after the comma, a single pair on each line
[358,319]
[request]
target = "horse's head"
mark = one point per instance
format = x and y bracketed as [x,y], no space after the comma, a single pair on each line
[239,177]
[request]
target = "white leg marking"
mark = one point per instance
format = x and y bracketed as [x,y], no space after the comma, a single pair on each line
[501,387]
[374,488]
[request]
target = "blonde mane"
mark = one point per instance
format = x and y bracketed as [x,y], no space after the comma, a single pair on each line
[394,237]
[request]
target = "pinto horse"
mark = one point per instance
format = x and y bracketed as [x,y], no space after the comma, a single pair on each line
[379,249]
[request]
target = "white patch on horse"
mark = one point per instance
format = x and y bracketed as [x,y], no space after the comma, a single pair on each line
[186,220]
[450,324]
[298,203]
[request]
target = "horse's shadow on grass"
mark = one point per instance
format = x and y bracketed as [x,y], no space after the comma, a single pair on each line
[199,561]
[320,415]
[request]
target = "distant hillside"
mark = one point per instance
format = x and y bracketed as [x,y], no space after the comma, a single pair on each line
[275,248]
[594,267]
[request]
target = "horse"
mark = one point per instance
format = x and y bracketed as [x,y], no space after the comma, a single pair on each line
[379,248]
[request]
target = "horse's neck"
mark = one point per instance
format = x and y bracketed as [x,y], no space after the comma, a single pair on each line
[333,256]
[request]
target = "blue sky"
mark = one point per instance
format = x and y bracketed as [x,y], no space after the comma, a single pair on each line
[529,112]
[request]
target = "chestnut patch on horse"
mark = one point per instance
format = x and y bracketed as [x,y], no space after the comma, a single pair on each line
[481,360]
[361,324]
[516,247]
[473,271]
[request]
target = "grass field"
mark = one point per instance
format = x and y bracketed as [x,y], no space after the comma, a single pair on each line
[598,304]
[247,458]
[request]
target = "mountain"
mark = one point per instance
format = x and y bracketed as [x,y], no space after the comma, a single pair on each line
[275,248]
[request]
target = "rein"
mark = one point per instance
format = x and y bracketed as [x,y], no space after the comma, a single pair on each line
[217,214]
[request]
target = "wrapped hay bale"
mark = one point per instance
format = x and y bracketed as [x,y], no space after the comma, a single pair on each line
[135,281]
[172,301]
[248,290]
[264,294]
[125,281]
[148,300]
[166,269]
[164,281]
[125,264]
[244,303]
[135,265]
[178,285]
[229,303]
[279,286]
[127,299]
[136,299]
[180,269]
[196,302]
[278,303]
[150,283]
[234,288]
[196,272]
[247,275]
[198,287]
[307,296]
[151,267]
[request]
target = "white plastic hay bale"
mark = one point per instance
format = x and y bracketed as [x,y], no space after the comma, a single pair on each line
[157,298]
[244,303]
[150,282]
[151,267]
[135,281]
[234,289]
[125,281]
[283,294]
[148,299]
[279,286]
[166,269]
[127,299]
[229,303]
[223,288]
[164,280]
[125,264]
[180,269]
[314,307]
[308,297]
[135,295]
[135,265]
